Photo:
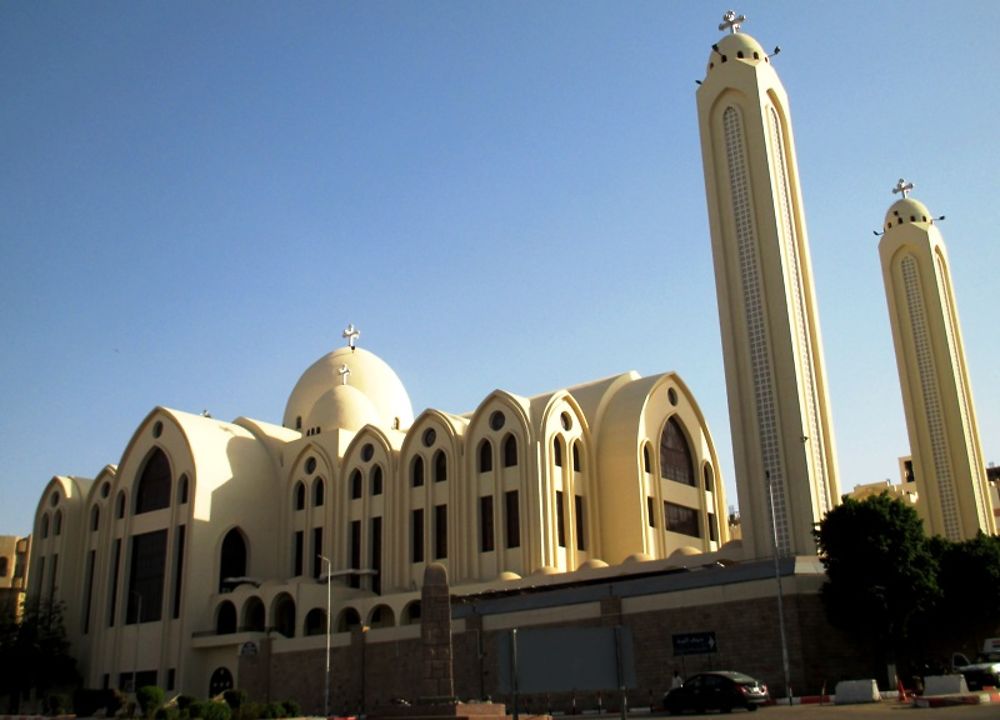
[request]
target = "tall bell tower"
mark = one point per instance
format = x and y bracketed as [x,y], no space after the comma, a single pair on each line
[779,409]
[953,494]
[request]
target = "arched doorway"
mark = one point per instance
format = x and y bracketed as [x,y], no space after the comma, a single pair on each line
[221,681]
[233,557]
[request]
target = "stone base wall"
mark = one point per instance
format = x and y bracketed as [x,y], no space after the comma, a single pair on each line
[367,675]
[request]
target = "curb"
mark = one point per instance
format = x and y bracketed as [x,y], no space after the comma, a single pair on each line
[976,698]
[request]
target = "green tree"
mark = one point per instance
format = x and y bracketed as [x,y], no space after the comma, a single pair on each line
[969,578]
[34,652]
[881,576]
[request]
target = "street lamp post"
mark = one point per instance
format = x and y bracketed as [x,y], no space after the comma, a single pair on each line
[326,675]
[777,577]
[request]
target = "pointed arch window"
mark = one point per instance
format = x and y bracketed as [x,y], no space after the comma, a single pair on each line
[675,454]
[417,472]
[95,518]
[440,466]
[121,504]
[510,451]
[153,490]
[57,523]
[577,465]
[376,480]
[233,557]
[182,491]
[485,456]
[557,452]
[300,496]
[647,465]
[709,481]
[318,488]
[356,483]
[45,525]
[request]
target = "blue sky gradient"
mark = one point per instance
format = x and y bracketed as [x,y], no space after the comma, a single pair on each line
[196,198]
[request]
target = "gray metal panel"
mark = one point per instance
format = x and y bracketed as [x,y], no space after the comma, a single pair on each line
[566,659]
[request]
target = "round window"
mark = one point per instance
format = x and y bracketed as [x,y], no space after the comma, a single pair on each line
[566,420]
[157,429]
[311,465]
[672,396]
[497,420]
[429,437]
[367,452]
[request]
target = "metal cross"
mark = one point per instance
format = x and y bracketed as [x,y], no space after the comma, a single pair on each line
[731,21]
[903,188]
[344,372]
[351,334]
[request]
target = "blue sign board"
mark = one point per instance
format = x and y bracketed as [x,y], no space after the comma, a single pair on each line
[700,643]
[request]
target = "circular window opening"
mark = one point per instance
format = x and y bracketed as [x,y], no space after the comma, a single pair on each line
[566,420]
[54,500]
[672,396]
[105,489]
[157,429]
[367,452]
[311,465]
[429,437]
[497,420]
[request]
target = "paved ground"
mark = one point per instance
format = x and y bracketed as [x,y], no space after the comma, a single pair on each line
[885,711]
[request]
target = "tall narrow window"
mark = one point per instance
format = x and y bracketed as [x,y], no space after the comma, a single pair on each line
[510,451]
[54,577]
[675,454]
[300,496]
[557,451]
[318,492]
[356,483]
[95,518]
[579,517]
[182,492]
[375,562]
[233,558]
[113,582]
[88,591]
[376,480]
[153,489]
[486,523]
[121,504]
[485,456]
[178,571]
[299,553]
[512,519]
[646,465]
[577,465]
[45,525]
[708,477]
[651,511]
[57,524]
[417,535]
[355,552]
[440,531]
[145,597]
[440,466]
[417,472]
[713,528]
[317,551]
[681,519]
[560,520]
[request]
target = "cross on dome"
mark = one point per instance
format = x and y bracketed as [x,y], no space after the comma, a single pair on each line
[344,372]
[903,188]
[731,21]
[351,334]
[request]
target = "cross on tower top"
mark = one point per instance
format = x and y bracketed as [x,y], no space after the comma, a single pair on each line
[903,188]
[351,334]
[731,21]
[344,372]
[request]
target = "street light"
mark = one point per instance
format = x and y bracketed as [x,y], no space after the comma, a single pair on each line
[326,675]
[777,577]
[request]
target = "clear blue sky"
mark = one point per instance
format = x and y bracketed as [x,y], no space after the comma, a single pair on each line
[196,198]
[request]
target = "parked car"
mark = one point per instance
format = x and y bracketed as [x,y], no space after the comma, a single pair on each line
[719,690]
[978,675]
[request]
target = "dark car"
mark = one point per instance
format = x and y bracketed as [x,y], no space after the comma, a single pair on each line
[721,690]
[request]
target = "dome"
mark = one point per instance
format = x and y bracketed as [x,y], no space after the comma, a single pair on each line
[345,407]
[369,374]
[738,46]
[906,210]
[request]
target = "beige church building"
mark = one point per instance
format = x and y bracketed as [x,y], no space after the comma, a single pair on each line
[207,530]
[202,558]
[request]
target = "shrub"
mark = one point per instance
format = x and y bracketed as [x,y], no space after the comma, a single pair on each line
[275,710]
[150,698]
[168,713]
[292,708]
[56,704]
[184,701]
[211,710]
[249,711]
[235,698]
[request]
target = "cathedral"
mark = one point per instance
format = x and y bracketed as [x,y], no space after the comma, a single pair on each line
[206,557]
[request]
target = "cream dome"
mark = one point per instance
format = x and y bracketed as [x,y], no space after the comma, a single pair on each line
[738,46]
[342,407]
[380,389]
[907,210]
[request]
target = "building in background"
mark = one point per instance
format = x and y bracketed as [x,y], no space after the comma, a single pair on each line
[779,407]
[14,554]
[950,473]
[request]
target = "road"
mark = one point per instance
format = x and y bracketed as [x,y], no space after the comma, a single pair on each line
[883,711]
